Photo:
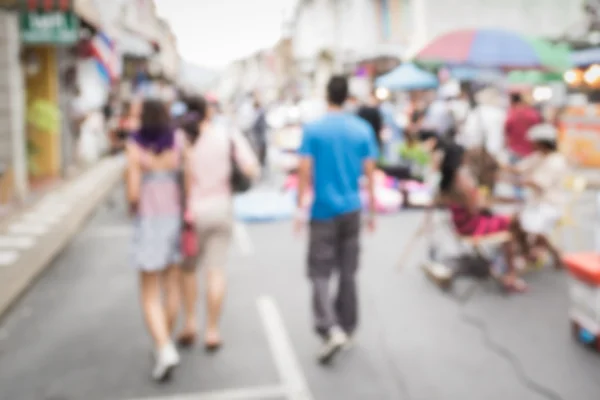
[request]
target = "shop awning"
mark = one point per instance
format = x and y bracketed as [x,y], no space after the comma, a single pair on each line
[85,9]
[38,5]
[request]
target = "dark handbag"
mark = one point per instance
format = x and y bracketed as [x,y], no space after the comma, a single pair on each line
[240,183]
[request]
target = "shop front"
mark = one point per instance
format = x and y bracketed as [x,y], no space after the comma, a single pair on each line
[44,31]
[13,164]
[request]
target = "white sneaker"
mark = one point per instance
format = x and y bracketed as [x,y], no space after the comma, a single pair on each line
[166,360]
[336,342]
[350,343]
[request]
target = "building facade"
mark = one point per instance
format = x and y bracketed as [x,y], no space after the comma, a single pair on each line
[337,36]
[13,155]
[546,18]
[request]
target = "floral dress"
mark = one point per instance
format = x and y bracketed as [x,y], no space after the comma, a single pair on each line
[158,225]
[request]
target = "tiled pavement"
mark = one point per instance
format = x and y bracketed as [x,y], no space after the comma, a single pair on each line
[30,239]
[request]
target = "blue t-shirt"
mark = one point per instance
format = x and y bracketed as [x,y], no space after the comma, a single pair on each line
[338,144]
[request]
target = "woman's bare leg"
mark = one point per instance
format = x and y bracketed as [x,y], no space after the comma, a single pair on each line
[510,279]
[172,296]
[152,307]
[215,294]
[189,287]
[521,240]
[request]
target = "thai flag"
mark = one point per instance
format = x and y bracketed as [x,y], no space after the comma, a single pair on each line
[106,56]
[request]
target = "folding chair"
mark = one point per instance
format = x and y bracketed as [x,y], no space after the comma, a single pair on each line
[474,259]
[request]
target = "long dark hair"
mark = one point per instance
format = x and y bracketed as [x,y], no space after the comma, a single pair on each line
[451,162]
[156,133]
[197,112]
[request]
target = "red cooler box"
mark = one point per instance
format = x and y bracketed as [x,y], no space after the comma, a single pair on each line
[584,292]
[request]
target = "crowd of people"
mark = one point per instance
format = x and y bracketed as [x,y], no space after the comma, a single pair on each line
[466,144]
[186,161]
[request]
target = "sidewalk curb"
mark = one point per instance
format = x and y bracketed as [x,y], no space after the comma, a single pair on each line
[88,191]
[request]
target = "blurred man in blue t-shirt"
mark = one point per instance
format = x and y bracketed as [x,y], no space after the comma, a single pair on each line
[335,151]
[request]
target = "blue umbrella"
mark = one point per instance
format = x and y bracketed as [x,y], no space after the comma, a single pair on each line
[407,77]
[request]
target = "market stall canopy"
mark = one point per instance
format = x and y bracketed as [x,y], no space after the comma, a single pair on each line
[586,57]
[408,77]
[495,48]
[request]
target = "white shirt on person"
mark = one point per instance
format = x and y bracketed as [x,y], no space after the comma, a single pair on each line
[484,124]
[548,172]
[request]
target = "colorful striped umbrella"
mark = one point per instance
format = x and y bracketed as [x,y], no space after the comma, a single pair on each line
[495,48]
[533,78]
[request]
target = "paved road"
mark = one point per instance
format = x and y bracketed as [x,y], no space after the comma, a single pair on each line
[78,333]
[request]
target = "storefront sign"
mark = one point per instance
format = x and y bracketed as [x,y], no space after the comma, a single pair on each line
[54,27]
[33,5]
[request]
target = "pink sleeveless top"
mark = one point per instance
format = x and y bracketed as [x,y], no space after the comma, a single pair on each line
[161,191]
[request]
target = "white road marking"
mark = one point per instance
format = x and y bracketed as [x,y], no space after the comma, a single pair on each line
[8,258]
[259,393]
[288,366]
[28,229]
[17,242]
[242,237]
[294,386]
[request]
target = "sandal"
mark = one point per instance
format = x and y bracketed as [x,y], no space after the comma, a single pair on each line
[212,347]
[212,343]
[186,339]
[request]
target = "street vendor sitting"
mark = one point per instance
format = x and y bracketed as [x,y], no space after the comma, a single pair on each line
[543,173]
[470,214]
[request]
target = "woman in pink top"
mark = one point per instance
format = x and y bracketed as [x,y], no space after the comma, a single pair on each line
[210,208]
[153,185]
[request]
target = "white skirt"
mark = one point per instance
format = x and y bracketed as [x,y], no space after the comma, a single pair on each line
[539,219]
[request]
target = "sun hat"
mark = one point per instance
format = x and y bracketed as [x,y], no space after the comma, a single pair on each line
[543,132]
